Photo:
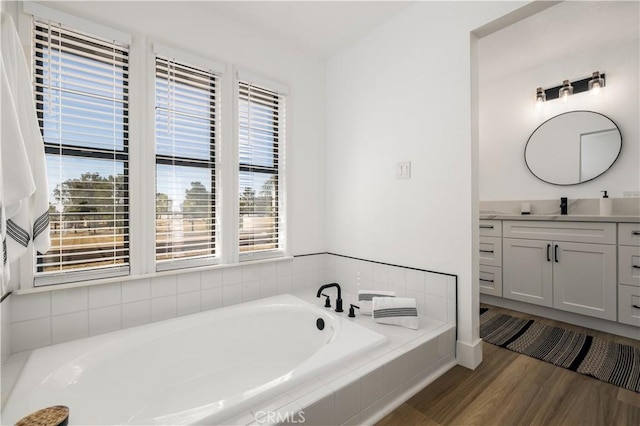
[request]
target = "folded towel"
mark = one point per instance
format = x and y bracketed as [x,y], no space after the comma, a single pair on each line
[365,296]
[396,311]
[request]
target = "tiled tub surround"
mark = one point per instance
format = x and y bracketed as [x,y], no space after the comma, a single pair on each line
[581,207]
[34,318]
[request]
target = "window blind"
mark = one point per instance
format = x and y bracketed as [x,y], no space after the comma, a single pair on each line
[261,125]
[82,101]
[186,102]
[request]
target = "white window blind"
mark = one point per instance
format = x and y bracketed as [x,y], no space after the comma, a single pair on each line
[261,126]
[82,101]
[186,116]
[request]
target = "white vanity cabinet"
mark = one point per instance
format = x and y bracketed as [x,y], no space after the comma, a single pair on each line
[491,257]
[629,273]
[565,265]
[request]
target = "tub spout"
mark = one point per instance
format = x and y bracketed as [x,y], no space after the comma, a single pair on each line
[338,300]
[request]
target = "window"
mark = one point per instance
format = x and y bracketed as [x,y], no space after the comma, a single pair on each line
[261,114]
[186,99]
[82,101]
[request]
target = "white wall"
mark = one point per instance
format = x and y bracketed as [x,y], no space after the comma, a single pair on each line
[567,41]
[190,25]
[402,93]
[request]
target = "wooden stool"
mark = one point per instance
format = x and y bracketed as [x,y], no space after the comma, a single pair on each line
[57,415]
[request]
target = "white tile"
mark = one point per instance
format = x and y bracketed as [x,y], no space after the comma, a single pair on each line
[268,287]
[231,276]
[67,301]
[136,313]
[311,279]
[163,308]
[284,284]
[285,268]
[231,294]
[250,273]
[133,291]
[320,413]
[188,303]
[437,308]
[104,320]
[299,265]
[211,279]
[373,387]
[68,327]
[437,285]
[305,388]
[347,402]
[353,421]
[30,306]
[105,295]
[365,269]
[381,273]
[188,282]
[398,277]
[250,291]
[451,288]
[416,280]
[163,286]
[451,312]
[312,263]
[268,270]
[211,298]
[298,280]
[30,334]
[420,297]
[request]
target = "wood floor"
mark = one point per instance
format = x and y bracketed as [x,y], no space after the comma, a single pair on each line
[513,389]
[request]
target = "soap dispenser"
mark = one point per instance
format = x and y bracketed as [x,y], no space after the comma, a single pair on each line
[606,205]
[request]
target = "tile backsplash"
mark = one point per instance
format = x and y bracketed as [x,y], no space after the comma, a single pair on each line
[39,319]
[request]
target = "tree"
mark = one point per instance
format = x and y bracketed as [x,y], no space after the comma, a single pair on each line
[163,203]
[92,199]
[196,201]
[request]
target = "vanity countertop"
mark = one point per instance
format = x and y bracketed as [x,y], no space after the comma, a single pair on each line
[561,218]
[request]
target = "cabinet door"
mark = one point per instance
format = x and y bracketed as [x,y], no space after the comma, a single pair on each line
[491,280]
[584,279]
[527,271]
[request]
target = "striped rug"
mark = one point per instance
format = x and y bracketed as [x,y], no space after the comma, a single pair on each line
[610,362]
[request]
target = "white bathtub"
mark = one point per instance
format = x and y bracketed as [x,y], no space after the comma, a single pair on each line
[198,369]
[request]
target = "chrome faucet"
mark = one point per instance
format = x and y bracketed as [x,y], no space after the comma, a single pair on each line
[338,300]
[563,205]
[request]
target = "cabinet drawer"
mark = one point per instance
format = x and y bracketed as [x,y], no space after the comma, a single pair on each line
[491,280]
[629,234]
[576,232]
[490,228]
[629,305]
[491,251]
[629,265]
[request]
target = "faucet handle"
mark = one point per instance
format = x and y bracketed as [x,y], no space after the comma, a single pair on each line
[352,312]
[327,301]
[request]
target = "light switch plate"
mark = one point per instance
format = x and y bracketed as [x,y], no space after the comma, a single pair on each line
[403,170]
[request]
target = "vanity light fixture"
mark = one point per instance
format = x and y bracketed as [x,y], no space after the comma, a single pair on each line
[540,95]
[565,91]
[596,83]
[593,83]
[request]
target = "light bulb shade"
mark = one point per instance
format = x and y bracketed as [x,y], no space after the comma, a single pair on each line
[596,82]
[566,90]
[540,95]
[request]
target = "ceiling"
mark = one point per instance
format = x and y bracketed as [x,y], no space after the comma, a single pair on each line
[320,28]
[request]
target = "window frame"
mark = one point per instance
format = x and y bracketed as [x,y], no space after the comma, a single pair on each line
[282,91]
[43,16]
[216,70]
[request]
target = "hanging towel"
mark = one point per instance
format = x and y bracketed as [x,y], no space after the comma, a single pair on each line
[400,311]
[365,297]
[23,185]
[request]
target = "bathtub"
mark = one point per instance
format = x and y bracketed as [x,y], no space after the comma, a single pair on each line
[198,369]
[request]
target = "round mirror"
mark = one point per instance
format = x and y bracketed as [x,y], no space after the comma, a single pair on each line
[573,147]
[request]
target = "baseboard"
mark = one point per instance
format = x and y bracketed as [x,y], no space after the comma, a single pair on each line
[569,317]
[469,355]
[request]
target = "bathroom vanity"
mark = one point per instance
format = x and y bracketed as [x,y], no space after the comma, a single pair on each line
[586,265]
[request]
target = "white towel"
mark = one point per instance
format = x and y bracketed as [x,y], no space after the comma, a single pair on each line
[23,185]
[365,297]
[400,311]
